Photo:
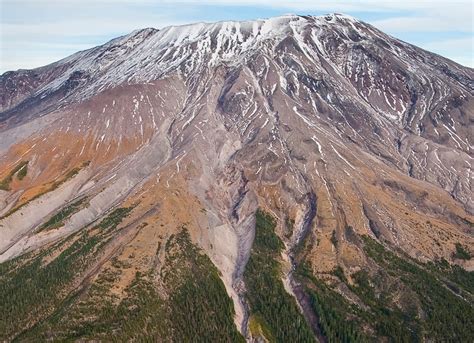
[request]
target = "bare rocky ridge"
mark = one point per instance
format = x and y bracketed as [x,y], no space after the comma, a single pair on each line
[322,120]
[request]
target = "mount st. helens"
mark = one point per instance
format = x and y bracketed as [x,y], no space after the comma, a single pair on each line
[161,145]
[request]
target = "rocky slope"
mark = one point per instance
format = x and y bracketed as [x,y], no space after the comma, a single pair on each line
[335,129]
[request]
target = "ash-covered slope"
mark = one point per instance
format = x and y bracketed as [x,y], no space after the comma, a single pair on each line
[390,82]
[336,129]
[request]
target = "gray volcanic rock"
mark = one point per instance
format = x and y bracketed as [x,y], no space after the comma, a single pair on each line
[325,122]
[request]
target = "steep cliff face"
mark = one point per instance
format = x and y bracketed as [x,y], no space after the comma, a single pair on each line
[334,128]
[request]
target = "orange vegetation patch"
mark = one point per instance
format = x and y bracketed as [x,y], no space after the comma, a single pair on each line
[162,207]
[37,191]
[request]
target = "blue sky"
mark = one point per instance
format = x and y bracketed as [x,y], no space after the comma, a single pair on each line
[37,32]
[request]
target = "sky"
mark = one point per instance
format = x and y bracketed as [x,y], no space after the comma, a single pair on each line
[38,32]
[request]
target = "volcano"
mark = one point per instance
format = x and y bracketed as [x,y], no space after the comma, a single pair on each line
[292,179]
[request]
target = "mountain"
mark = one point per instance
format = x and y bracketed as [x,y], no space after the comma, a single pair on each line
[293,179]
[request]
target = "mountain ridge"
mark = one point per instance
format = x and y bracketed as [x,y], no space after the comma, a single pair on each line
[290,141]
[168,31]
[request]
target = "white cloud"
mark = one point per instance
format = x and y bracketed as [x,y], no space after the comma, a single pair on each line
[321,5]
[452,48]
[451,44]
[33,45]
[71,25]
[418,15]
[423,24]
[465,61]
[81,28]
[343,5]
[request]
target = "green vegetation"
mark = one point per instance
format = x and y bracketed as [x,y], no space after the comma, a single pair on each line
[461,253]
[30,292]
[274,312]
[339,272]
[22,172]
[197,309]
[289,227]
[114,218]
[58,219]
[400,300]
[455,277]
[47,295]
[445,316]
[334,238]
[100,315]
[258,328]
[386,317]
[32,286]
[70,174]
[337,317]
[195,285]
[20,169]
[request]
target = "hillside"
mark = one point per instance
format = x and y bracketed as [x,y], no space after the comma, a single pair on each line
[296,178]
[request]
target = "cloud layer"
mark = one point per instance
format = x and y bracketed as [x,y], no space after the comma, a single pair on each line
[37,32]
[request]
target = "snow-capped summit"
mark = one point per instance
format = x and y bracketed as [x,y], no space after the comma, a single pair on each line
[338,130]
